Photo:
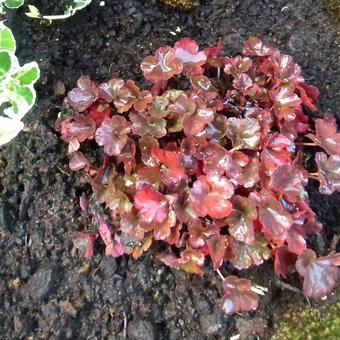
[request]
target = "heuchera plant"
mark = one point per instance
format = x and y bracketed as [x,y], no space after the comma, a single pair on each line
[207,163]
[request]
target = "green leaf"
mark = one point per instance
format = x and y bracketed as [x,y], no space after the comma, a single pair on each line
[5,63]
[12,4]
[9,128]
[33,12]
[28,74]
[7,41]
[22,99]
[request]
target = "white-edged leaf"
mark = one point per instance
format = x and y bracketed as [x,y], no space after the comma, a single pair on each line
[27,74]
[7,41]
[22,99]
[9,128]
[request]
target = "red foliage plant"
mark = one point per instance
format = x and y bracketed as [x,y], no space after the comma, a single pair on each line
[208,163]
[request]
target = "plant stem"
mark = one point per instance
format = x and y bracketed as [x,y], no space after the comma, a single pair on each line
[220,274]
[305,144]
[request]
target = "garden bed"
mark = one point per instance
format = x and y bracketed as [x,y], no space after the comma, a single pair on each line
[46,289]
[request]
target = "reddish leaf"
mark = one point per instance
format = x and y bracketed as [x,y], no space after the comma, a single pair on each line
[163,230]
[143,125]
[238,296]
[244,132]
[309,95]
[98,113]
[326,135]
[283,260]
[173,173]
[76,130]
[84,243]
[190,261]
[238,65]
[288,180]
[329,172]
[240,221]
[162,66]
[320,274]
[113,135]
[217,246]
[286,103]
[275,220]
[122,94]
[243,82]
[83,95]
[217,128]
[78,161]
[152,205]
[216,159]
[255,47]
[146,144]
[203,86]
[129,224]
[242,255]
[195,123]
[210,196]
[187,52]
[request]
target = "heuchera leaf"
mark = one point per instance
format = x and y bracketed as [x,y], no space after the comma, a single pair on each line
[78,161]
[76,130]
[173,173]
[210,196]
[217,246]
[283,260]
[162,66]
[242,255]
[288,180]
[326,135]
[238,296]
[329,172]
[112,134]
[186,51]
[152,205]
[190,261]
[255,47]
[273,217]
[244,132]
[240,221]
[122,94]
[83,95]
[320,274]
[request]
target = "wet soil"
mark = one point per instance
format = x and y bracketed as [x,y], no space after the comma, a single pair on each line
[46,290]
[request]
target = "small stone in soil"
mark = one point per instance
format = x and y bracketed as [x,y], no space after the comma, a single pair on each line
[140,329]
[42,282]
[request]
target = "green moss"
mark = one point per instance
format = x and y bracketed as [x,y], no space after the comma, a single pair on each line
[310,324]
[332,7]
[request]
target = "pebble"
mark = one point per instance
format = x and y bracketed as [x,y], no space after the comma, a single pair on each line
[42,282]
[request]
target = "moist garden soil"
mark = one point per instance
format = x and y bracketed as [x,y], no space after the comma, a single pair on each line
[46,290]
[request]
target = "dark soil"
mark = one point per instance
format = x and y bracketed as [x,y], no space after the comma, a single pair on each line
[46,290]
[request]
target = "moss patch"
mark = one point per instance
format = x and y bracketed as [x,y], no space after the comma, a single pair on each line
[310,323]
[182,4]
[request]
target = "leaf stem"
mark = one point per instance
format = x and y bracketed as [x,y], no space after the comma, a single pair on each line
[305,144]
[220,274]
[235,148]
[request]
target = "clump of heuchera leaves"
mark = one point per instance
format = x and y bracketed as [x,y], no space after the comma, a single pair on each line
[207,164]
